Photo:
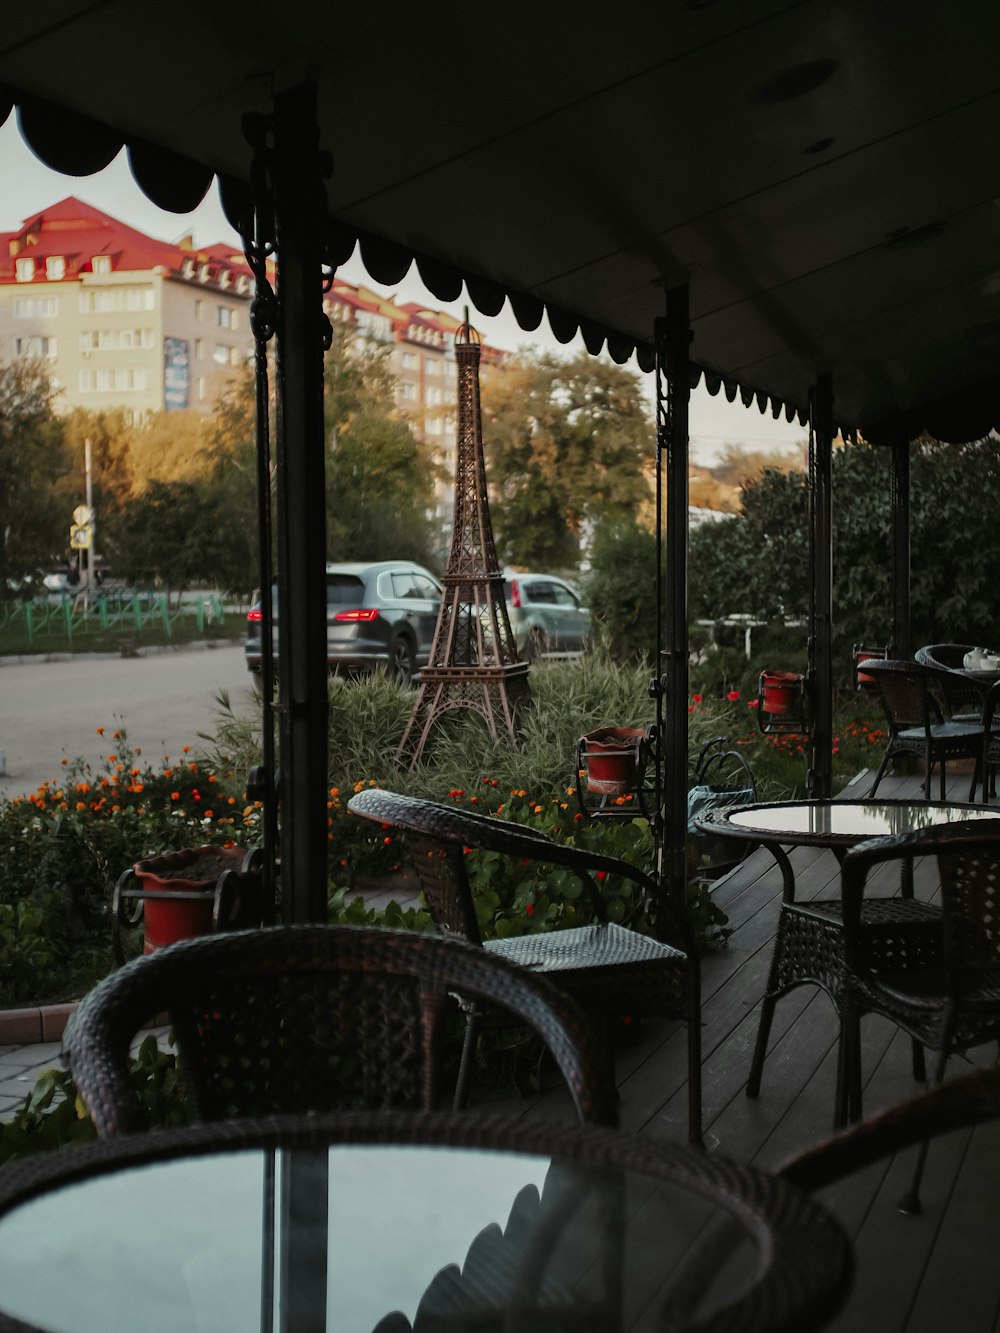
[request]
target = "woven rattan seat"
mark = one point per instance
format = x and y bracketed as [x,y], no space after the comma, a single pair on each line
[313,1018]
[954,1002]
[900,933]
[951,1005]
[916,703]
[610,968]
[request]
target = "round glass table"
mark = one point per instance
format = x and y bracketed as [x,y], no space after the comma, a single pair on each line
[390,1223]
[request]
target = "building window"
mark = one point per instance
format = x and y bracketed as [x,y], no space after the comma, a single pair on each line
[24,269]
[199,349]
[221,354]
[32,307]
[110,299]
[202,388]
[55,267]
[242,284]
[101,264]
[112,381]
[115,340]
[36,346]
[198,310]
[409,361]
[225,277]
[204,273]
[432,365]
[235,356]
[223,317]
[433,396]
[408,391]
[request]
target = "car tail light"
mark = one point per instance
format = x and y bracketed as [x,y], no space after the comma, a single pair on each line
[369,613]
[255,615]
[515,593]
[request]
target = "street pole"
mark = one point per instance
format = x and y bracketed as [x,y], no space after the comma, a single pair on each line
[92,552]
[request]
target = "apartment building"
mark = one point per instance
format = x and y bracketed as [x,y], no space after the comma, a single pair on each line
[123,321]
[128,322]
[423,363]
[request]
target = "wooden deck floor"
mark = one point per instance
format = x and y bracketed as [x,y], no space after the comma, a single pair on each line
[918,1275]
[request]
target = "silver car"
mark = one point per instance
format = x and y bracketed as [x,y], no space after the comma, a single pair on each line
[379,615]
[546,617]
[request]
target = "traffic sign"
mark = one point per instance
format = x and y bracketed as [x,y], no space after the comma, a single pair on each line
[80,537]
[82,515]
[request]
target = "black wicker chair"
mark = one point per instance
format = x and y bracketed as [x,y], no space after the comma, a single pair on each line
[915,701]
[312,1018]
[611,969]
[946,1007]
[958,1104]
[963,693]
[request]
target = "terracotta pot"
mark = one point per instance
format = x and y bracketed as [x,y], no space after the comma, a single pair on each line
[780,692]
[192,875]
[611,759]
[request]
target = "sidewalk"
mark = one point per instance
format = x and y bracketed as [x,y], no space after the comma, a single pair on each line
[20,1067]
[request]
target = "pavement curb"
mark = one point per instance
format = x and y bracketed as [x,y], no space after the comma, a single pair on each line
[32,1026]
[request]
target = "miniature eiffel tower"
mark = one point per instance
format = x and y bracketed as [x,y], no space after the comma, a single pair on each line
[473,662]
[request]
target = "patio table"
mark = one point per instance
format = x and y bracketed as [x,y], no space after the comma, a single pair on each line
[360,1221]
[808,944]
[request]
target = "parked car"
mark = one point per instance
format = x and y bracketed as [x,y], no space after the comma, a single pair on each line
[546,617]
[380,615]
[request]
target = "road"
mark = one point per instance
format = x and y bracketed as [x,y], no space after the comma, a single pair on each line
[49,710]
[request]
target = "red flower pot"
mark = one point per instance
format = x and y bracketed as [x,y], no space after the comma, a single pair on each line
[191,875]
[780,692]
[611,759]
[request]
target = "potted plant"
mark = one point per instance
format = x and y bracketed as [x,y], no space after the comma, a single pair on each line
[180,891]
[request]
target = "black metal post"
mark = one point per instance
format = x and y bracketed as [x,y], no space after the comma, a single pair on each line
[673,337]
[899,489]
[820,779]
[301,506]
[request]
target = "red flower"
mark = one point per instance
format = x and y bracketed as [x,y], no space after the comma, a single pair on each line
[529,909]
[602,874]
[696,698]
[733,695]
[753,703]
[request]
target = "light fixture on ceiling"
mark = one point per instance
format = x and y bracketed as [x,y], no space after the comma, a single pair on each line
[795,81]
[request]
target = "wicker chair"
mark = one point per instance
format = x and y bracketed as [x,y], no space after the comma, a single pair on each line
[991,740]
[958,1104]
[311,1018]
[946,1007]
[609,968]
[963,693]
[915,701]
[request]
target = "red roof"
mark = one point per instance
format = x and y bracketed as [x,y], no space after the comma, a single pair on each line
[77,232]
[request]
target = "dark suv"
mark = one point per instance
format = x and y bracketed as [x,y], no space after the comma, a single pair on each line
[377,615]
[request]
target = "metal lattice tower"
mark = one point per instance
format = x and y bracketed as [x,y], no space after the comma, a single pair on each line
[473,662]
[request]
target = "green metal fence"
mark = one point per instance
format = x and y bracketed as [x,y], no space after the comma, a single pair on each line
[74,618]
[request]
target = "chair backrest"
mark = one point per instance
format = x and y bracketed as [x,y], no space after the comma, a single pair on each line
[968,858]
[945,656]
[438,835]
[959,1103]
[911,695]
[312,1018]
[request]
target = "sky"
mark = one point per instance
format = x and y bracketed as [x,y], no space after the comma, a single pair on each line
[28,186]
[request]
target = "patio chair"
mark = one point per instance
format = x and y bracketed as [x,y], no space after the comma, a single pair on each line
[914,700]
[963,693]
[312,1018]
[970,1100]
[949,1006]
[609,968]
[991,740]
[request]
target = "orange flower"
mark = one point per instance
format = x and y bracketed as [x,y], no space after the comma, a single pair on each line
[100,731]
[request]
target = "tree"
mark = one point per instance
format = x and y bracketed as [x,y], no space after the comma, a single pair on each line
[621,589]
[565,442]
[34,520]
[379,476]
[173,534]
[758,562]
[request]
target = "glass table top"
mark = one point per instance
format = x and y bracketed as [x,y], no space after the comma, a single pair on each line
[203,1243]
[852,820]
